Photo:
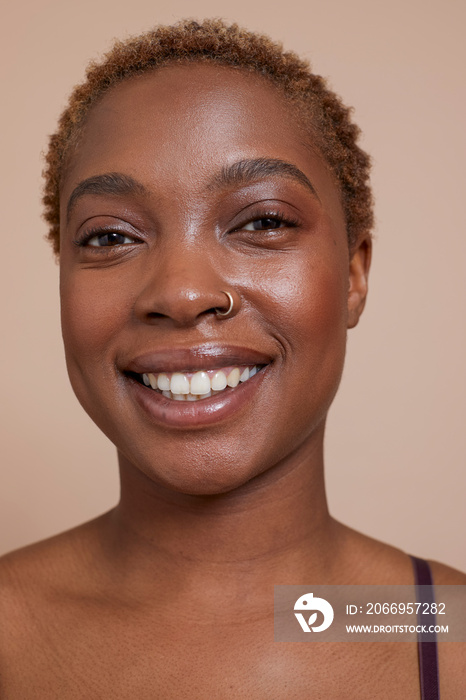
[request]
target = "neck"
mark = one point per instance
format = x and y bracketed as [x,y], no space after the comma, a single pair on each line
[275,529]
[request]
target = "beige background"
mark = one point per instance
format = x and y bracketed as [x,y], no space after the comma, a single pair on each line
[396,440]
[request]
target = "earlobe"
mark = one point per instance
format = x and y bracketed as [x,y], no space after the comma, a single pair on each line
[358,281]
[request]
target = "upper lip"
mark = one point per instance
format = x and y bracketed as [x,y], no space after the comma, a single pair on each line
[208,356]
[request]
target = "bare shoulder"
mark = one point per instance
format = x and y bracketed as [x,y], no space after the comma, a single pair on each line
[57,552]
[444,575]
[377,563]
[32,577]
[46,590]
[371,561]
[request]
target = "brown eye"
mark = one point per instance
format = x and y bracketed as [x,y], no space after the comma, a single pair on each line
[264,224]
[112,238]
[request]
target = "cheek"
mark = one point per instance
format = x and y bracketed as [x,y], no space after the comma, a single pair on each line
[308,314]
[91,312]
[323,310]
[307,300]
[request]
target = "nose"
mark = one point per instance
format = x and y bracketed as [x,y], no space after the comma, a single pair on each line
[185,286]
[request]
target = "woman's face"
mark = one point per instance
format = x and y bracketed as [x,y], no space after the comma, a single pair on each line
[186,183]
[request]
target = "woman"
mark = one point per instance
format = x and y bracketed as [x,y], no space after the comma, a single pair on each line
[210,207]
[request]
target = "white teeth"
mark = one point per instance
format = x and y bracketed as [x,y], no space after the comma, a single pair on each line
[219,381]
[200,383]
[245,375]
[179,387]
[179,384]
[233,377]
[163,382]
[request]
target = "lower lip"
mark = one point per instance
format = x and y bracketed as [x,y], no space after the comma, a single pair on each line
[191,414]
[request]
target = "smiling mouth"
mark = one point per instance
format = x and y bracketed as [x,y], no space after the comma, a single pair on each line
[196,385]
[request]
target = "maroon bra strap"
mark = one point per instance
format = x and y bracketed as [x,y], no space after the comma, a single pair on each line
[427,641]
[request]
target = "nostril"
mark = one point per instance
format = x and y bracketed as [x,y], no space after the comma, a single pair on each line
[156,314]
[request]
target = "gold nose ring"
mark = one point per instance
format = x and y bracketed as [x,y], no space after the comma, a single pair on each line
[230,307]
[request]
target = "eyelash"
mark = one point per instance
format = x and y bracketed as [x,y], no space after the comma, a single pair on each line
[278,216]
[282,220]
[83,241]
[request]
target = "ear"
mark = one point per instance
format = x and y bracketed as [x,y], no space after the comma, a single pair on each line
[358,280]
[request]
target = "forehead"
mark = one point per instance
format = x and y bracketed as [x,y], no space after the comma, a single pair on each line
[191,104]
[181,123]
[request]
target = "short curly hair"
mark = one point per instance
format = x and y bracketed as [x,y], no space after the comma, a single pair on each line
[212,40]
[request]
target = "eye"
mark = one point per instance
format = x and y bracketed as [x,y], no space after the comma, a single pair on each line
[264,224]
[108,239]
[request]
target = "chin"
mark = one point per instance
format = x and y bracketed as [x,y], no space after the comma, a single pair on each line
[206,473]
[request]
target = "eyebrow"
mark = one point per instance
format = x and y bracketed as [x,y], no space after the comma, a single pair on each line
[109,183]
[244,172]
